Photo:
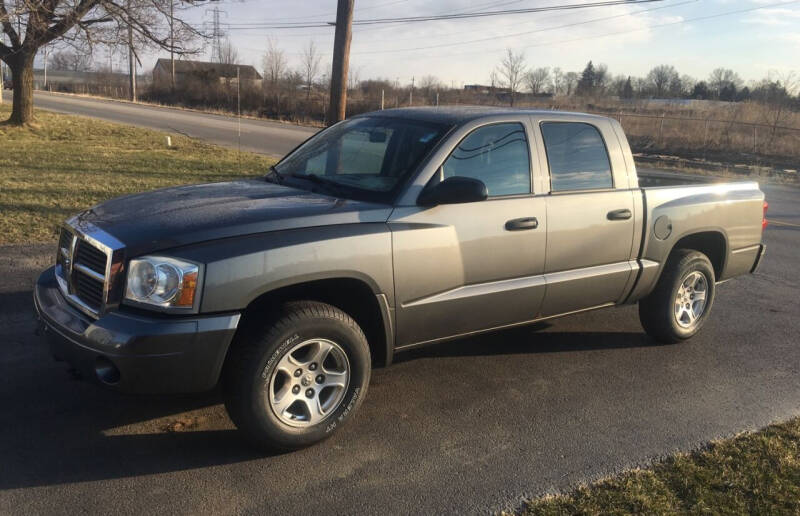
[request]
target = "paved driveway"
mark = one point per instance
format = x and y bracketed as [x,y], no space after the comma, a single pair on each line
[471,425]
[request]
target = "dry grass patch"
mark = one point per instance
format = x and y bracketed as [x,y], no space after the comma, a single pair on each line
[754,473]
[64,164]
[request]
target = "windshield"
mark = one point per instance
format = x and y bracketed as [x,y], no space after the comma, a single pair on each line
[367,157]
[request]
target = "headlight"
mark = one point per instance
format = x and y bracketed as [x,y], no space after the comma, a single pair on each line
[162,282]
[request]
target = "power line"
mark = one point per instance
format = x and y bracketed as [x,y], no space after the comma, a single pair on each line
[525,33]
[451,16]
[648,27]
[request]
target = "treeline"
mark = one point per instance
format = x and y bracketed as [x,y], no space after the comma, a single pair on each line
[661,82]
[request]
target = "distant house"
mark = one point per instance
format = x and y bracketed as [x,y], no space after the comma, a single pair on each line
[66,79]
[480,88]
[203,71]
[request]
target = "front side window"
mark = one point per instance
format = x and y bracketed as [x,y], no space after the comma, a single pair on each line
[368,156]
[577,157]
[495,154]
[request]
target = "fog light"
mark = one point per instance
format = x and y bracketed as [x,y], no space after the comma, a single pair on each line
[106,371]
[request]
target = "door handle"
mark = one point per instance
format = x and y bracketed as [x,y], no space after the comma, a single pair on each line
[619,214]
[520,224]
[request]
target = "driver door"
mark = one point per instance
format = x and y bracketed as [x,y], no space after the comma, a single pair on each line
[461,268]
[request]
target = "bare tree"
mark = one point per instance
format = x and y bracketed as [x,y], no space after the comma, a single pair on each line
[227,53]
[70,60]
[31,24]
[660,78]
[602,79]
[274,63]
[557,81]
[512,71]
[429,83]
[353,78]
[538,80]
[310,66]
[571,82]
[721,78]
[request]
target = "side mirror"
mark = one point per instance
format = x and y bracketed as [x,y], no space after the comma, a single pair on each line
[453,190]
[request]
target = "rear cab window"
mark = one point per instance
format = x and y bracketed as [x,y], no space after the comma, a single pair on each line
[577,157]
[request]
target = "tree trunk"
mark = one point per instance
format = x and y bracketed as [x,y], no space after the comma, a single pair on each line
[22,82]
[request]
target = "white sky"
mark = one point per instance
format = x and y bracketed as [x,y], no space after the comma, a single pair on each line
[752,43]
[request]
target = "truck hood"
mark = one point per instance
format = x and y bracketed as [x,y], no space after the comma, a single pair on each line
[184,215]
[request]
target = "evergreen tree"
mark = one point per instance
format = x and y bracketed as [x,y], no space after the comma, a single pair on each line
[588,80]
[627,90]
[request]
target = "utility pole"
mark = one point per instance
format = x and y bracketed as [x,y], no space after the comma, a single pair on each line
[411,93]
[172,40]
[131,60]
[45,67]
[341,60]
[2,67]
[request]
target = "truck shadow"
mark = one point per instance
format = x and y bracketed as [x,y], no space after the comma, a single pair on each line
[55,430]
[530,339]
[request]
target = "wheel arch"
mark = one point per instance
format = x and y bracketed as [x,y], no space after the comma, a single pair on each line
[712,243]
[352,294]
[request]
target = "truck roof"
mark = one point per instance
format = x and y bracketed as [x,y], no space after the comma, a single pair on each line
[461,114]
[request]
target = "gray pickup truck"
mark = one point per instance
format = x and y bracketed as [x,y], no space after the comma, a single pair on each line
[385,232]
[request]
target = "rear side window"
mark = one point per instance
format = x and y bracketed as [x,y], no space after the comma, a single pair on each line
[577,157]
[497,155]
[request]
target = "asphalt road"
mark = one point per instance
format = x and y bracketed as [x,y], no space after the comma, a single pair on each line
[264,137]
[470,426]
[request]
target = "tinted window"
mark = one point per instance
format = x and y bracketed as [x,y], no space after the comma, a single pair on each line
[370,155]
[495,154]
[577,156]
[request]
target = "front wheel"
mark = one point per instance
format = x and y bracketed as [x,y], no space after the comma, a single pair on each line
[297,379]
[681,302]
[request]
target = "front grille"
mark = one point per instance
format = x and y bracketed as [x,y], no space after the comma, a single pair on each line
[65,240]
[64,247]
[81,268]
[88,290]
[88,255]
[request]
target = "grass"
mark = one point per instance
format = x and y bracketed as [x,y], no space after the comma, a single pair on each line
[754,473]
[62,165]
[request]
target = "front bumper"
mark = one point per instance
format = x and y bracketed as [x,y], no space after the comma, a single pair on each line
[135,353]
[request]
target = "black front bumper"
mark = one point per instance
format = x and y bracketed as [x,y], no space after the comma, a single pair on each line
[135,353]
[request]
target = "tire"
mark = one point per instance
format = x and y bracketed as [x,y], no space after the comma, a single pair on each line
[662,315]
[274,368]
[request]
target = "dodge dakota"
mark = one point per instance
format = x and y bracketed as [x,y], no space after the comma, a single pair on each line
[384,232]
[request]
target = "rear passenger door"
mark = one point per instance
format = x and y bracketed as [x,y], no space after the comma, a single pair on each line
[590,213]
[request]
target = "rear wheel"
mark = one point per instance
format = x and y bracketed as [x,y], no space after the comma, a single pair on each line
[681,302]
[297,379]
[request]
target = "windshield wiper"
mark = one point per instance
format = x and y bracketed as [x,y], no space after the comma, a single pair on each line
[273,173]
[324,181]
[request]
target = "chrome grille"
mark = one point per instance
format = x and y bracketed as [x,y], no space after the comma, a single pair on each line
[82,264]
[91,257]
[88,290]
[65,241]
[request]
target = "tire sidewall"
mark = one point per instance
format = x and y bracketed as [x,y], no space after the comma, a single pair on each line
[354,345]
[700,264]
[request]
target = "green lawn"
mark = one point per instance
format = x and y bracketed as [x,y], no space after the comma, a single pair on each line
[65,164]
[755,473]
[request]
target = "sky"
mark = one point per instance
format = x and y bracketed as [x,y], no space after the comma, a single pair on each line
[695,36]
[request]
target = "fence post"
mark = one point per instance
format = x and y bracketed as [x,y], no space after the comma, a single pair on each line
[755,146]
[382,98]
